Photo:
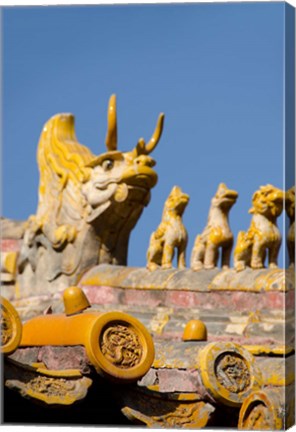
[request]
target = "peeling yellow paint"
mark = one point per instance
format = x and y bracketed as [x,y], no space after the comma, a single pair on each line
[56,390]
[274,280]
[254,317]
[216,360]
[17,291]
[266,349]
[132,278]
[271,280]
[173,396]
[276,380]
[188,396]
[153,388]
[38,365]
[159,321]
[67,373]
[169,414]
[263,410]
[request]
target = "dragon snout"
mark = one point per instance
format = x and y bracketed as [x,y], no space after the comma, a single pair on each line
[144,160]
[140,172]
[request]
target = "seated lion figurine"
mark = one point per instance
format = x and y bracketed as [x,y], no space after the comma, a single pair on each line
[170,234]
[217,234]
[263,234]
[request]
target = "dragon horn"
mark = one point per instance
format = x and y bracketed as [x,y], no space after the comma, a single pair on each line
[111,137]
[140,148]
[156,135]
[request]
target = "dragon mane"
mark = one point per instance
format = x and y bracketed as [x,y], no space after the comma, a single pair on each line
[61,158]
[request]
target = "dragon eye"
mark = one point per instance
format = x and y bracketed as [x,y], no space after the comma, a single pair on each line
[108,164]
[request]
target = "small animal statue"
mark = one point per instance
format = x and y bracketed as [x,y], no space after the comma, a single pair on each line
[171,234]
[87,206]
[217,234]
[290,209]
[263,234]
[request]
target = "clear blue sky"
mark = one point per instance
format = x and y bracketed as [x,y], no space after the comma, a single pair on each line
[215,70]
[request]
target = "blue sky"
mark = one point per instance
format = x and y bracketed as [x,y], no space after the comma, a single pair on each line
[215,70]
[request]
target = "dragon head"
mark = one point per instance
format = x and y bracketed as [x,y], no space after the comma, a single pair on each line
[120,177]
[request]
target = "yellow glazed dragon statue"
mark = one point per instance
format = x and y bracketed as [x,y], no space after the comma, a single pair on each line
[88,204]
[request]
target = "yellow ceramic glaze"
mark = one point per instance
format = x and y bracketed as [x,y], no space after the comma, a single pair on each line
[11,327]
[263,233]
[217,233]
[118,345]
[263,410]
[75,300]
[87,204]
[171,234]
[195,330]
[228,372]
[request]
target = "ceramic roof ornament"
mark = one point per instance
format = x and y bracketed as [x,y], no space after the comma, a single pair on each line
[171,234]
[263,234]
[88,204]
[217,234]
[118,345]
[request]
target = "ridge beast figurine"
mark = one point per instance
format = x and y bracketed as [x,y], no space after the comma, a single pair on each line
[263,233]
[170,234]
[217,233]
[88,204]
